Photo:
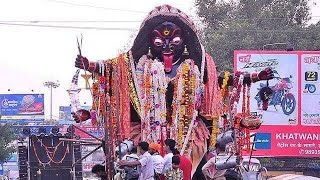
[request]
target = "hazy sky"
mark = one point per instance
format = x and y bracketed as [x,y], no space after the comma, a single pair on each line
[32,55]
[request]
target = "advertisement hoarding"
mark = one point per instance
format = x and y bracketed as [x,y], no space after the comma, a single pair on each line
[98,156]
[310,85]
[22,106]
[93,130]
[288,127]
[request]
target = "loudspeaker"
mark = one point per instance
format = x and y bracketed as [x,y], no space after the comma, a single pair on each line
[77,156]
[23,162]
[50,158]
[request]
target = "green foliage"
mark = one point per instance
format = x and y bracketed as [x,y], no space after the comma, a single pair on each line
[250,24]
[6,137]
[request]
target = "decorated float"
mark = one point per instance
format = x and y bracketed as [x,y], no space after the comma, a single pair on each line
[166,86]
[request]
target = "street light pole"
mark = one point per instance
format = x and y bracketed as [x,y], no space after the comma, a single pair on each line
[51,85]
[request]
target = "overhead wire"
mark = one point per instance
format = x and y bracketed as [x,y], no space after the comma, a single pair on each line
[128,21]
[70,27]
[97,7]
[128,29]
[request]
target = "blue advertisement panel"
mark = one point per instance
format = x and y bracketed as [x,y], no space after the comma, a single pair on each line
[65,116]
[22,106]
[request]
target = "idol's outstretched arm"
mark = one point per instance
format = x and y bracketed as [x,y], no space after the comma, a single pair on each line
[265,74]
[83,63]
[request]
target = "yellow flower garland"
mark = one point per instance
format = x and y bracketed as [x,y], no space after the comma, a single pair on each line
[225,79]
[215,131]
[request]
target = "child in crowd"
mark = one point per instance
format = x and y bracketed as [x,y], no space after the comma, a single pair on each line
[174,173]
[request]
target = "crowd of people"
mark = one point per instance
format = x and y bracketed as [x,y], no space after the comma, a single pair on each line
[144,162]
[151,165]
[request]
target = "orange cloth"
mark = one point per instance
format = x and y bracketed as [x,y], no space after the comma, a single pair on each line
[124,98]
[211,104]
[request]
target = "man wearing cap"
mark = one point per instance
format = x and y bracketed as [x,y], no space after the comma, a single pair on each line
[157,159]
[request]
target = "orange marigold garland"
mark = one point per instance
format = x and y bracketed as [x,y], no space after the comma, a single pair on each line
[184,103]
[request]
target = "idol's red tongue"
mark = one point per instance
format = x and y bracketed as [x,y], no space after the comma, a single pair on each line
[167,59]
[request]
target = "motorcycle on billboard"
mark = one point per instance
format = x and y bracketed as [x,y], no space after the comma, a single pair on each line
[280,95]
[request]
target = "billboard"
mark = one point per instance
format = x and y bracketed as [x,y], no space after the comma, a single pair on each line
[98,156]
[289,123]
[93,130]
[22,106]
[310,85]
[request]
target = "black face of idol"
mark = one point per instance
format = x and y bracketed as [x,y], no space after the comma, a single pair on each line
[167,44]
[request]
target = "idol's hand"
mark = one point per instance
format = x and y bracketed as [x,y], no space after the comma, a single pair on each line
[81,115]
[82,62]
[266,74]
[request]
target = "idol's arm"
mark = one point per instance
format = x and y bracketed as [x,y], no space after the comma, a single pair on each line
[83,63]
[265,74]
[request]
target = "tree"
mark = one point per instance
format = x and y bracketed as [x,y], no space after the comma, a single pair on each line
[6,137]
[250,24]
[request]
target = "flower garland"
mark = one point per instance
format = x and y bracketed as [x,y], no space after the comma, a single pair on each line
[99,92]
[133,83]
[234,100]
[146,101]
[184,104]
[248,114]
[153,100]
[113,99]
[235,96]
[224,97]
[159,93]
[149,85]
[173,127]
[215,131]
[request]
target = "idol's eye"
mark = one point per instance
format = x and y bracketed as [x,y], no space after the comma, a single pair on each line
[176,40]
[157,42]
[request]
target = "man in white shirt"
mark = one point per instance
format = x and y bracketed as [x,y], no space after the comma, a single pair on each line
[145,161]
[168,149]
[154,149]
